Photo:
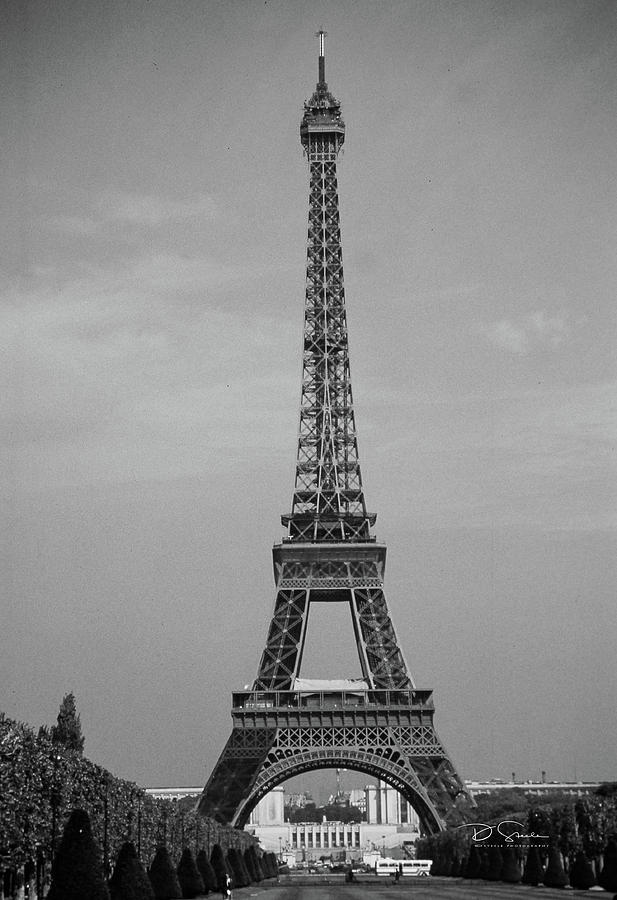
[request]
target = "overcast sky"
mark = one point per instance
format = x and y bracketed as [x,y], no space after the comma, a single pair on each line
[153,254]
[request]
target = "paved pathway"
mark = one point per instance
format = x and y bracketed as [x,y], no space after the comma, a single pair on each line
[407,889]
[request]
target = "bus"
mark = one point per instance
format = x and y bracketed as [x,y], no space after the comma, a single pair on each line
[388,866]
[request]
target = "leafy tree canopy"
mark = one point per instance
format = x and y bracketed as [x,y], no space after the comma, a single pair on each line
[68,730]
[607,789]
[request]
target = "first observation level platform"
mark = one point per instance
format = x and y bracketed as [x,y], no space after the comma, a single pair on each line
[346,708]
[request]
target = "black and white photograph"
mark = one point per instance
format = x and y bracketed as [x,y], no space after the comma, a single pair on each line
[309,430]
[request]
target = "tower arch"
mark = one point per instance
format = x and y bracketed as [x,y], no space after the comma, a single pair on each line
[394,773]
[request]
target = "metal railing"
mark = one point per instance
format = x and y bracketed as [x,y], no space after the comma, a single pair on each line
[326,699]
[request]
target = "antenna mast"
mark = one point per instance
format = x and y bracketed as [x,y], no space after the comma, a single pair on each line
[321,34]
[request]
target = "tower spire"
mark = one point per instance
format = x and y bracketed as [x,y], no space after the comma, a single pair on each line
[321,34]
[328,502]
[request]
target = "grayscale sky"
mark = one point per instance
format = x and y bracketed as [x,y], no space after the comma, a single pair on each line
[153,252]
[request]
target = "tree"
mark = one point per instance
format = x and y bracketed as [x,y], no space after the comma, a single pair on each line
[240,875]
[509,803]
[68,730]
[608,875]
[485,864]
[253,864]
[581,874]
[495,863]
[206,871]
[555,875]
[249,872]
[607,789]
[533,872]
[217,860]
[268,864]
[77,870]
[510,871]
[472,869]
[129,880]
[189,877]
[163,876]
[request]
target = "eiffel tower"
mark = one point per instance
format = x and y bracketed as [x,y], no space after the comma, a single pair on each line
[381,724]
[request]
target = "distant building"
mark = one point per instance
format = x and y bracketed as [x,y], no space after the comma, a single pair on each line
[537,788]
[391,826]
[385,806]
[357,798]
[173,793]
[270,810]
[298,801]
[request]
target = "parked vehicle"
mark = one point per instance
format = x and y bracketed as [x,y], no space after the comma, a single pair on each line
[388,866]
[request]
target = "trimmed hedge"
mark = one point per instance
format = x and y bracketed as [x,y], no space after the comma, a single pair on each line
[510,870]
[206,871]
[555,875]
[163,876]
[77,871]
[217,860]
[582,875]
[189,877]
[533,872]
[608,875]
[129,880]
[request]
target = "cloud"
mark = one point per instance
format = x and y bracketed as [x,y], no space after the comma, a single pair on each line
[550,329]
[145,369]
[530,332]
[150,210]
[533,458]
[139,210]
[508,336]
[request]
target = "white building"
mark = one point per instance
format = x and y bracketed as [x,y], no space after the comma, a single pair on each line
[391,823]
[385,806]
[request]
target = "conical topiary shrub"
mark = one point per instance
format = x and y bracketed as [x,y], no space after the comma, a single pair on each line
[510,870]
[251,853]
[163,876]
[217,860]
[240,876]
[188,874]
[485,864]
[582,875]
[272,865]
[555,875]
[129,880]
[608,876]
[77,870]
[264,859]
[437,867]
[472,869]
[248,873]
[533,872]
[206,871]
[495,863]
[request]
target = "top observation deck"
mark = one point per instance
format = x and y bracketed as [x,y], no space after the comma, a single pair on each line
[322,113]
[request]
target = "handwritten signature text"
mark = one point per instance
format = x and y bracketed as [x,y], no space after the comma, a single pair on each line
[482,832]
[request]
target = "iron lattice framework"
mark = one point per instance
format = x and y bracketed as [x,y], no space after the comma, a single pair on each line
[382,726]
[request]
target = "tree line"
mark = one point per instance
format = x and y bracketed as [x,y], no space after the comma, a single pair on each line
[44,776]
[78,873]
[564,842]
